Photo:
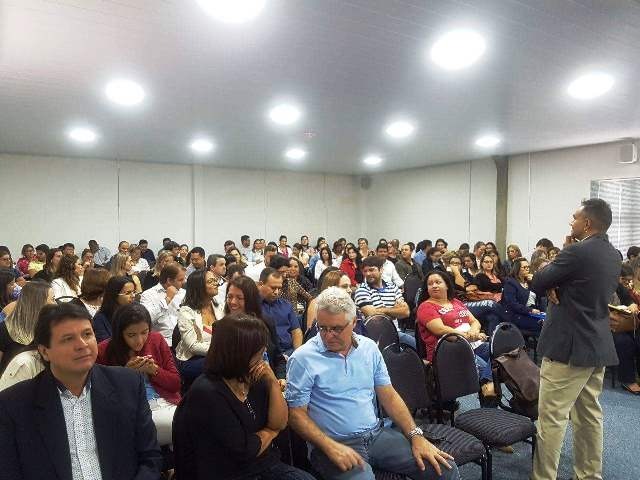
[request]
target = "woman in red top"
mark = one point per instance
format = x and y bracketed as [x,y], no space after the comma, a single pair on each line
[441,313]
[134,345]
[28,256]
[351,264]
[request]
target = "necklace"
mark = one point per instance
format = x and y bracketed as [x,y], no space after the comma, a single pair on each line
[239,391]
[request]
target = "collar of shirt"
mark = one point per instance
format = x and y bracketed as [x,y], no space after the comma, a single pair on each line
[323,349]
[64,391]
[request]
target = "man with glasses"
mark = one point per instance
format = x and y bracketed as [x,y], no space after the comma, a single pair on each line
[333,382]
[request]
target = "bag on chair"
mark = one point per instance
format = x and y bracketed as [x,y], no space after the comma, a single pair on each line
[522,378]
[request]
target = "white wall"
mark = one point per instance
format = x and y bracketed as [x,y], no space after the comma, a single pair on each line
[545,189]
[455,201]
[56,200]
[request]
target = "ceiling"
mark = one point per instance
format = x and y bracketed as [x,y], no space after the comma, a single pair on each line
[351,64]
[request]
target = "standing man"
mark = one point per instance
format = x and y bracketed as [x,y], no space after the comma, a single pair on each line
[576,343]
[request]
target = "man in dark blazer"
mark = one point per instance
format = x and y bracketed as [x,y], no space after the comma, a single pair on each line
[576,343]
[76,420]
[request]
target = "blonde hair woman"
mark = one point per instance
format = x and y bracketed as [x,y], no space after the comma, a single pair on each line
[121,266]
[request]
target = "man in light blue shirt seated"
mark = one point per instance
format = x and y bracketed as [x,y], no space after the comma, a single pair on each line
[333,381]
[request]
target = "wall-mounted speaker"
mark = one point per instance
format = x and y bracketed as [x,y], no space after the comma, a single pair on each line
[365,182]
[628,153]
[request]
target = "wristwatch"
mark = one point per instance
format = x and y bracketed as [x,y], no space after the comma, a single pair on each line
[417,431]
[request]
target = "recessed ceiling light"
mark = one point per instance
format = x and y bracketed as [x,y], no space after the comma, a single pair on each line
[590,86]
[458,49]
[83,135]
[285,114]
[201,145]
[295,153]
[124,92]
[399,129]
[488,141]
[372,160]
[232,11]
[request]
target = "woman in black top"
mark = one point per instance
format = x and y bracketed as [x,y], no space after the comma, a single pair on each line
[48,272]
[488,279]
[225,425]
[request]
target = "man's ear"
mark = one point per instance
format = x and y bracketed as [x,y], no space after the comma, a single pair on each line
[43,352]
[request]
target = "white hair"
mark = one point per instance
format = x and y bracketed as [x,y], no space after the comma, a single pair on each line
[336,300]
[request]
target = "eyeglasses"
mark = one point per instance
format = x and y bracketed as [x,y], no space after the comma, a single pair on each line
[334,330]
[128,294]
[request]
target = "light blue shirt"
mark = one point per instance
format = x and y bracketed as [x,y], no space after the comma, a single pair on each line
[419,258]
[338,390]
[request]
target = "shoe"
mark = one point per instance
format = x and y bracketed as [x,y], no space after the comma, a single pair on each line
[507,449]
[628,389]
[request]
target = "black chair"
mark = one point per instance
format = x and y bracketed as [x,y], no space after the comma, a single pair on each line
[456,375]
[412,285]
[310,333]
[381,330]
[65,299]
[408,377]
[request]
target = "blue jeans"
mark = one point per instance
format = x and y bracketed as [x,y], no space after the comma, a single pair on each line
[383,449]
[483,361]
[282,471]
[408,339]
[191,369]
[488,312]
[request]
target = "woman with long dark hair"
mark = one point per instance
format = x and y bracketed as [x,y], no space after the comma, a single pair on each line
[243,297]
[7,284]
[118,292]
[227,422]
[352,265]
[325,260]
[48,272]
[522,308]
[68,277]
[195,319]
[135,346]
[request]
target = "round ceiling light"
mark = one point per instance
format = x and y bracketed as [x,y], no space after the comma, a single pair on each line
[83,135]
[285,114]
[232,11]
[295,153]
[372,160]
[590,86]
[201,145]
[488,141]
[399,129]
[125,92]
[458,49]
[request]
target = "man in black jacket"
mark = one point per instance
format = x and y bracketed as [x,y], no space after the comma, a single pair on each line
[576,343]
[76,420]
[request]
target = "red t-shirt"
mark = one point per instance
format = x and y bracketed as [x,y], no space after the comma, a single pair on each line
[451,317]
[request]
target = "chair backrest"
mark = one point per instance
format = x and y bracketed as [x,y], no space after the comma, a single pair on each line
[381,330]
[176,336]
[455,368]
[412,284]
[310,333]
[408,375]
[505,338]
[64,299]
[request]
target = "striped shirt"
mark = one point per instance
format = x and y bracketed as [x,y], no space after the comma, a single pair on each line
[386,296]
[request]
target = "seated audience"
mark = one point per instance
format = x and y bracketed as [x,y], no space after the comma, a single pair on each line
[422,248]
[375,296]
[146,252]
[133,345]
[138,264]
[291,290]
[296,272]
[433,261]
[553,253]
[469,267]
[237,256]
[195,318]
[235,270]
[479,249]
[257,252]
[440,313]
[442,245]
[352,265]
[497,263]
[86,258]
[520,302]
[337,414]
[122,266]
[298,252]
[163,300]
[76,420]
[68,277]
[7,286]
[283,248]
[231,415]
[6,263]
[324,260]
[101,255]
[538,264]
[92,287]
[279,310]
[487,280]
[243,296]
[490,247]
[118,292]
[68,249]
[48,272]
[196,260]
[406,266]
[16,332]
[388,270]
[153,277]
[392,250]
[39,259]
[28,255]
[513,252]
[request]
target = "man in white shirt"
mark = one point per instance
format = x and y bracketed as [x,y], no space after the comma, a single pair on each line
[389,272]
[163,301]
[101,255]
[245,247]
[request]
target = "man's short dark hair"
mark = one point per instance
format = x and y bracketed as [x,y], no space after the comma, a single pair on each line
[279,261]
[229,242]
[229,259]
[463,246]
[244,237]
[42,248]
[599,212]
[236,339]
[52,315]
[382,246]
[198,250]
[68,244]
[478,244]
[283,237]
[626,270]
[213,259]
[170,271]
[365,240]
[631,252]
[270,248]
[142,240]
[269,272]
[373,261]
[171,245]
[235,268]
[544,242]
[165,240]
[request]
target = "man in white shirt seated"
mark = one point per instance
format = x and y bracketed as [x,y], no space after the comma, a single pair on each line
[389,272]
[245,248]
[163,301]
[333,382]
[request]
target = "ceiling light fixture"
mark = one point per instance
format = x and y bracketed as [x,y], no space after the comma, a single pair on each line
[458,49]
[295,153]
[285,114]
[232,11]
[590,86]
[201,145]
[399,129]
[372,160]
[488,141]
[125,92]
[83,135]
